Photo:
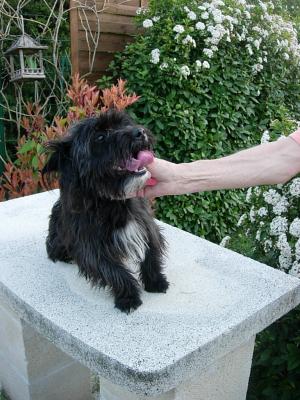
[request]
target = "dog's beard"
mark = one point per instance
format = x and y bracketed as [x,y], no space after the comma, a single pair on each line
[136,183]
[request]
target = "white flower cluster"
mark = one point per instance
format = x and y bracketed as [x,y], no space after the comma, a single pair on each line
[278,226]
[262,212]
[288,45]
[265,137]
[283,246]
[200,64]
[192,16]
[284,262]
[248,195]
[189,40]
[281,206]
[295,228]
[257,68]
[206,64]
[185,71]
[155,56]
[148,23]
[252,214]
[272,197]
[268,244]
[243,218]
[141,10]
[295,188]
[164,65]
[208,52]
[225,241]
[200,26]
[178,29]
[297,250]
[295,270]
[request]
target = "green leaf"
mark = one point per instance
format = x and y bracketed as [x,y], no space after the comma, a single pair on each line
[190,209]
[35,162]
[27,146]
[39,148]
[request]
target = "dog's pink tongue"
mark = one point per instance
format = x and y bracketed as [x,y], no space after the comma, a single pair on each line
[144,158]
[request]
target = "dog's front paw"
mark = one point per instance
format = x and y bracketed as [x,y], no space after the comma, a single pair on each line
[160,285]
[128,304]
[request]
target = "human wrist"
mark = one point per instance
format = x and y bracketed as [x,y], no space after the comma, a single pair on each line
[191,177]
[178,177]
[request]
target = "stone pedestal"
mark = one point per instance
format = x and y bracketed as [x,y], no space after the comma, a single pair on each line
[32,368]
[226,379]
[194,342]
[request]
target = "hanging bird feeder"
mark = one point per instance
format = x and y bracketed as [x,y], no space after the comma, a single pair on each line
[26,59]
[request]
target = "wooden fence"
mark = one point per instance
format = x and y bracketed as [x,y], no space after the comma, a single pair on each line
[98,30]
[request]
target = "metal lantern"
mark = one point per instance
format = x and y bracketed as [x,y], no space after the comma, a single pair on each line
[26,59]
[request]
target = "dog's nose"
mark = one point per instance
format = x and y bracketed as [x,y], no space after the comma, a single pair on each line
[138,132]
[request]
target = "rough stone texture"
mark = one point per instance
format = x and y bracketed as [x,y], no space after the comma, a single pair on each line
[11,340]
[32,368]
[217,300]
[226,379]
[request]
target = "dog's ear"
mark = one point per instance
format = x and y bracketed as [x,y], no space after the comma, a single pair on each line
[59,153]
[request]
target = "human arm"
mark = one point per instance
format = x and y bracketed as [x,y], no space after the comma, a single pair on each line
[269,163]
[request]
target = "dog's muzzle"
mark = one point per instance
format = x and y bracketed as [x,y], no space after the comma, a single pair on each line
[140,134]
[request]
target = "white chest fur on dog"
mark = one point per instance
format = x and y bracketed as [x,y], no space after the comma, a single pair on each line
[133,240]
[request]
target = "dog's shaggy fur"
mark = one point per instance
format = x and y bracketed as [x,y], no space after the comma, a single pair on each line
[93,223]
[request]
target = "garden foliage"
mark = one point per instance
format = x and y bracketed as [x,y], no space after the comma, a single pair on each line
[212,76]
[23,177]
[275,373]
[39,20]
[269,231]
[271,221]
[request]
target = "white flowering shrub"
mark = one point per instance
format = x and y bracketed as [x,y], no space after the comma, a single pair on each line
[207,28]
[269,231]
[272,223]
[212,75]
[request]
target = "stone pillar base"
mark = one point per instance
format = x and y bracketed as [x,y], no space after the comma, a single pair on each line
[227,379]
[32,368]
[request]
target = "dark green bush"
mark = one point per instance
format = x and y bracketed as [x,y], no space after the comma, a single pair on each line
[275,373]
[276,364]
[209,112]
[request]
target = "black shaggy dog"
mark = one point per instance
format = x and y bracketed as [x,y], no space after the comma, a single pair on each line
[93,223]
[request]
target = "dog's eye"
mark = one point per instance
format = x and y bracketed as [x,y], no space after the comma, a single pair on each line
[100,138]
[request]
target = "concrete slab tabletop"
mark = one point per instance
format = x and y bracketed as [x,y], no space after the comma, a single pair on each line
[217,300]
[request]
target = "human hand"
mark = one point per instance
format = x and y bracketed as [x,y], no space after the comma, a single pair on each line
[165,180]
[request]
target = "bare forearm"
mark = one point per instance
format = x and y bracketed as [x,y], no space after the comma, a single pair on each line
[269,163]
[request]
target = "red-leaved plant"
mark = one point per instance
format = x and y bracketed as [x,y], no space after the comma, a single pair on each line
[23,177]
